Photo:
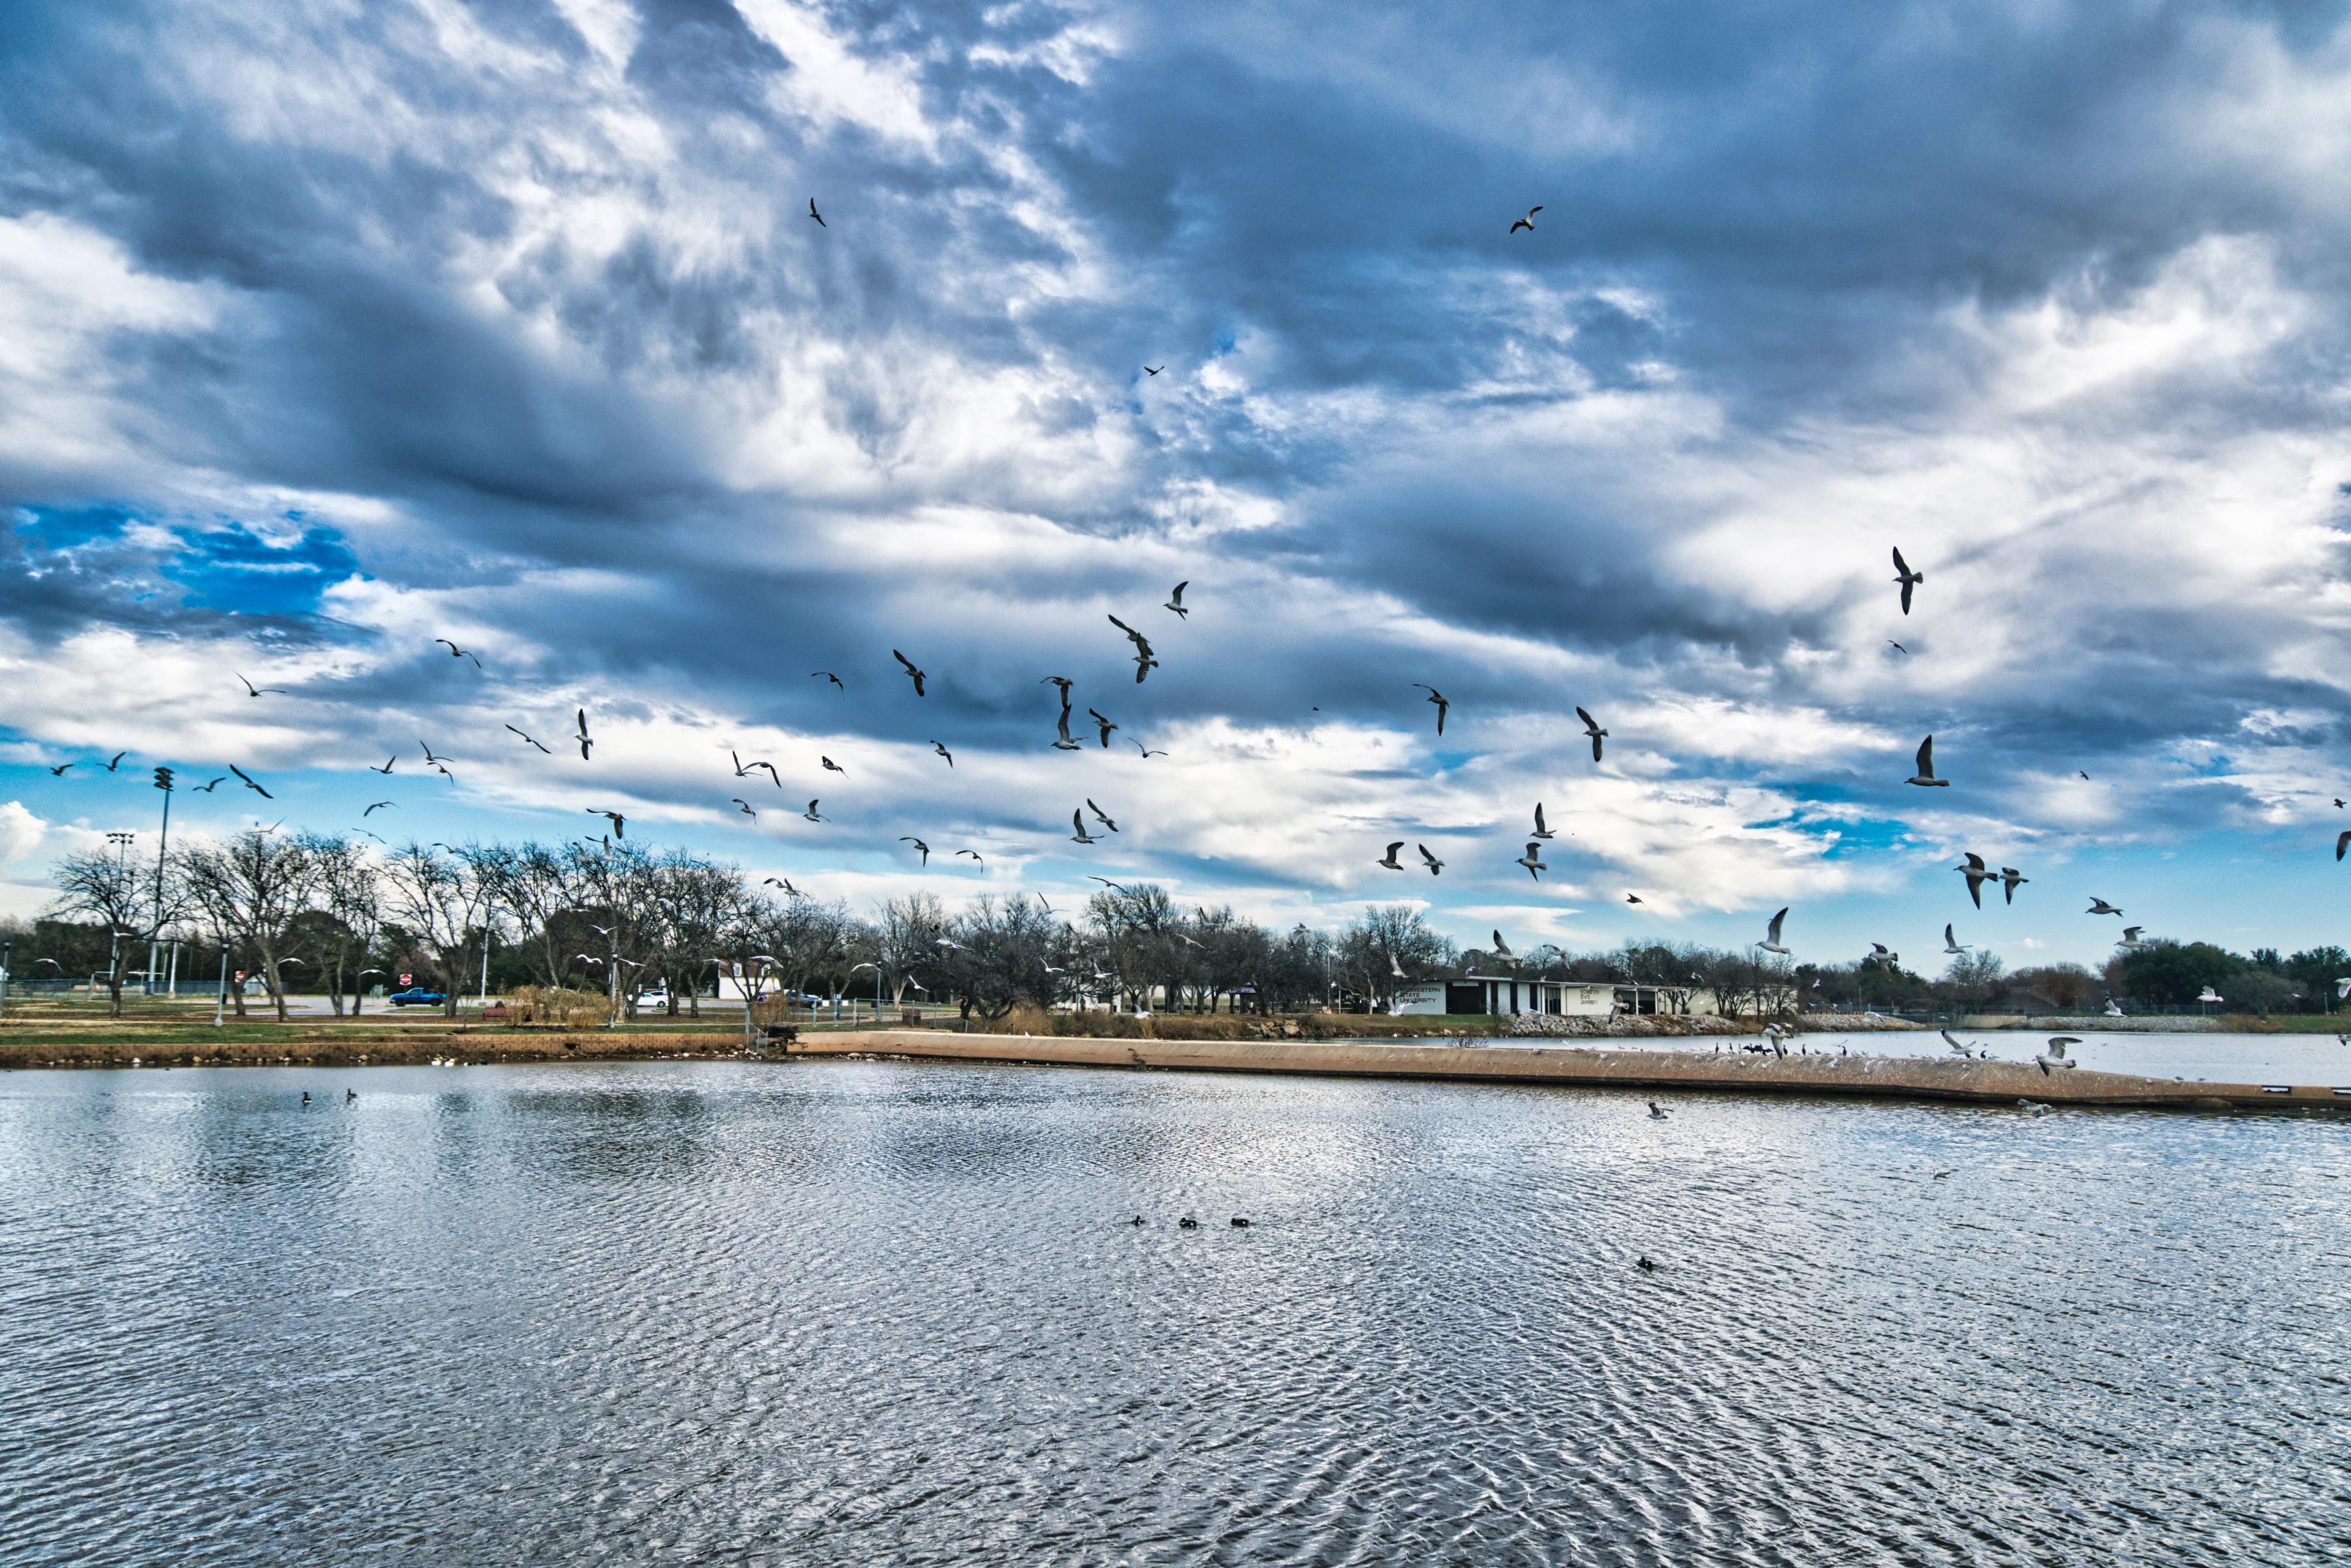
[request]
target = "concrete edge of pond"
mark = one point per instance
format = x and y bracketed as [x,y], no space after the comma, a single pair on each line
[1884,1077]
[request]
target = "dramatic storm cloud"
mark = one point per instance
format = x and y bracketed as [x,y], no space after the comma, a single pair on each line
[330,330]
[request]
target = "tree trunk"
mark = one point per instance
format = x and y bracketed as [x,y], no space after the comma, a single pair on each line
[114,984]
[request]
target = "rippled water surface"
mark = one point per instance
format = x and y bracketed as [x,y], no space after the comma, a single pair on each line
[2216,1057]
[881,1313]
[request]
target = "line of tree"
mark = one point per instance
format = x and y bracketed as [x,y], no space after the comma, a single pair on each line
[337,915]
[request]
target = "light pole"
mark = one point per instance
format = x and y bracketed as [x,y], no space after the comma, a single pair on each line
[162,848]
[486,967]
[6,947]
[220,997]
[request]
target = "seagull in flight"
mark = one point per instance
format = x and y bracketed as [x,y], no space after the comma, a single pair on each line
[531,742]
[1632,898]
[1527,222]
[1102,815]
[1659,1112]
[1952,945]
[1062,725]
[619,831]
[117,761]
[253,690]
[249,784]
[812,814]
[2341,839]
[379,806]
[1896,647]
[1909,580]
[1443,706]
[386,769]
[1978,874]
[1078,821]
[1925,778]
[746,807]
[745,770]
[832,766]
[428,755]
[943,751]
[1144,664]
[829,675]
[1062,681]
[910,839]
[1153,370]
[1176,599]
[976,855]
[786,884]
[1105,724]
[457,652]
[817,216]
[1434,864]
[2100,906]
[1771,943]
[2131,943]
[1542,831]
[1592,728]
[2055,1055]
[2010,882]
[208,789]
[1533,860]
[1145,750]
[1389,859]
[584,742]
[915,674]
[1502,948]
[59,770]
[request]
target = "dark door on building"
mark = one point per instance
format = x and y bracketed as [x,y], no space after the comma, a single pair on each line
[1460,998]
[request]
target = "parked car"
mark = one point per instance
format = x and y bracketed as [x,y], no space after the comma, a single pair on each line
[417,997]
[652,999]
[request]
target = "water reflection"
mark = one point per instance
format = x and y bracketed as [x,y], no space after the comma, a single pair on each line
[868,1310]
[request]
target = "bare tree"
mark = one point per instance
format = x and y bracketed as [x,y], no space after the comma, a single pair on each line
[908,934]
[1389,948]
[441,897]
[1003,952]
[350,898]
[133,905]
[252,886]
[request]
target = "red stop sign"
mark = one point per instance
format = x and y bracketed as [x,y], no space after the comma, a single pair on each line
[405,979]
[240,974]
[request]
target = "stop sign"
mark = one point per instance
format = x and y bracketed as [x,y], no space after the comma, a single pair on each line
[240,974]
[405,979]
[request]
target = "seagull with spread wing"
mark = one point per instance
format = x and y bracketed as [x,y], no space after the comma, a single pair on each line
[1925,778]
[1102,816]
[527,740]
[943,751]
[620,827]
[457,652]
[585,743]
[1105,726]
[1533,860]
[912,672]
[1389,859]
[1078,823]
[1591,728]
[926,848]
[1542,829]
[1906,577]
[1176,599]
[1434,864]
[1978,873]
[253,690]
[1771,943]
[249,784]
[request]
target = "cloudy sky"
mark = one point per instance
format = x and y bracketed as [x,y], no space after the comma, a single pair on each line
[330,330]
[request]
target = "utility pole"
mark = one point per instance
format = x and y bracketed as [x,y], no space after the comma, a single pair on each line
[6,947]
[162,848]
[486,965]
[220,997]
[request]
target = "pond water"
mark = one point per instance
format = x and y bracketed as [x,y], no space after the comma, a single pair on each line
[897,1313]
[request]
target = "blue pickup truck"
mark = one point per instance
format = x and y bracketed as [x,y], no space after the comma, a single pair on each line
[417,997]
